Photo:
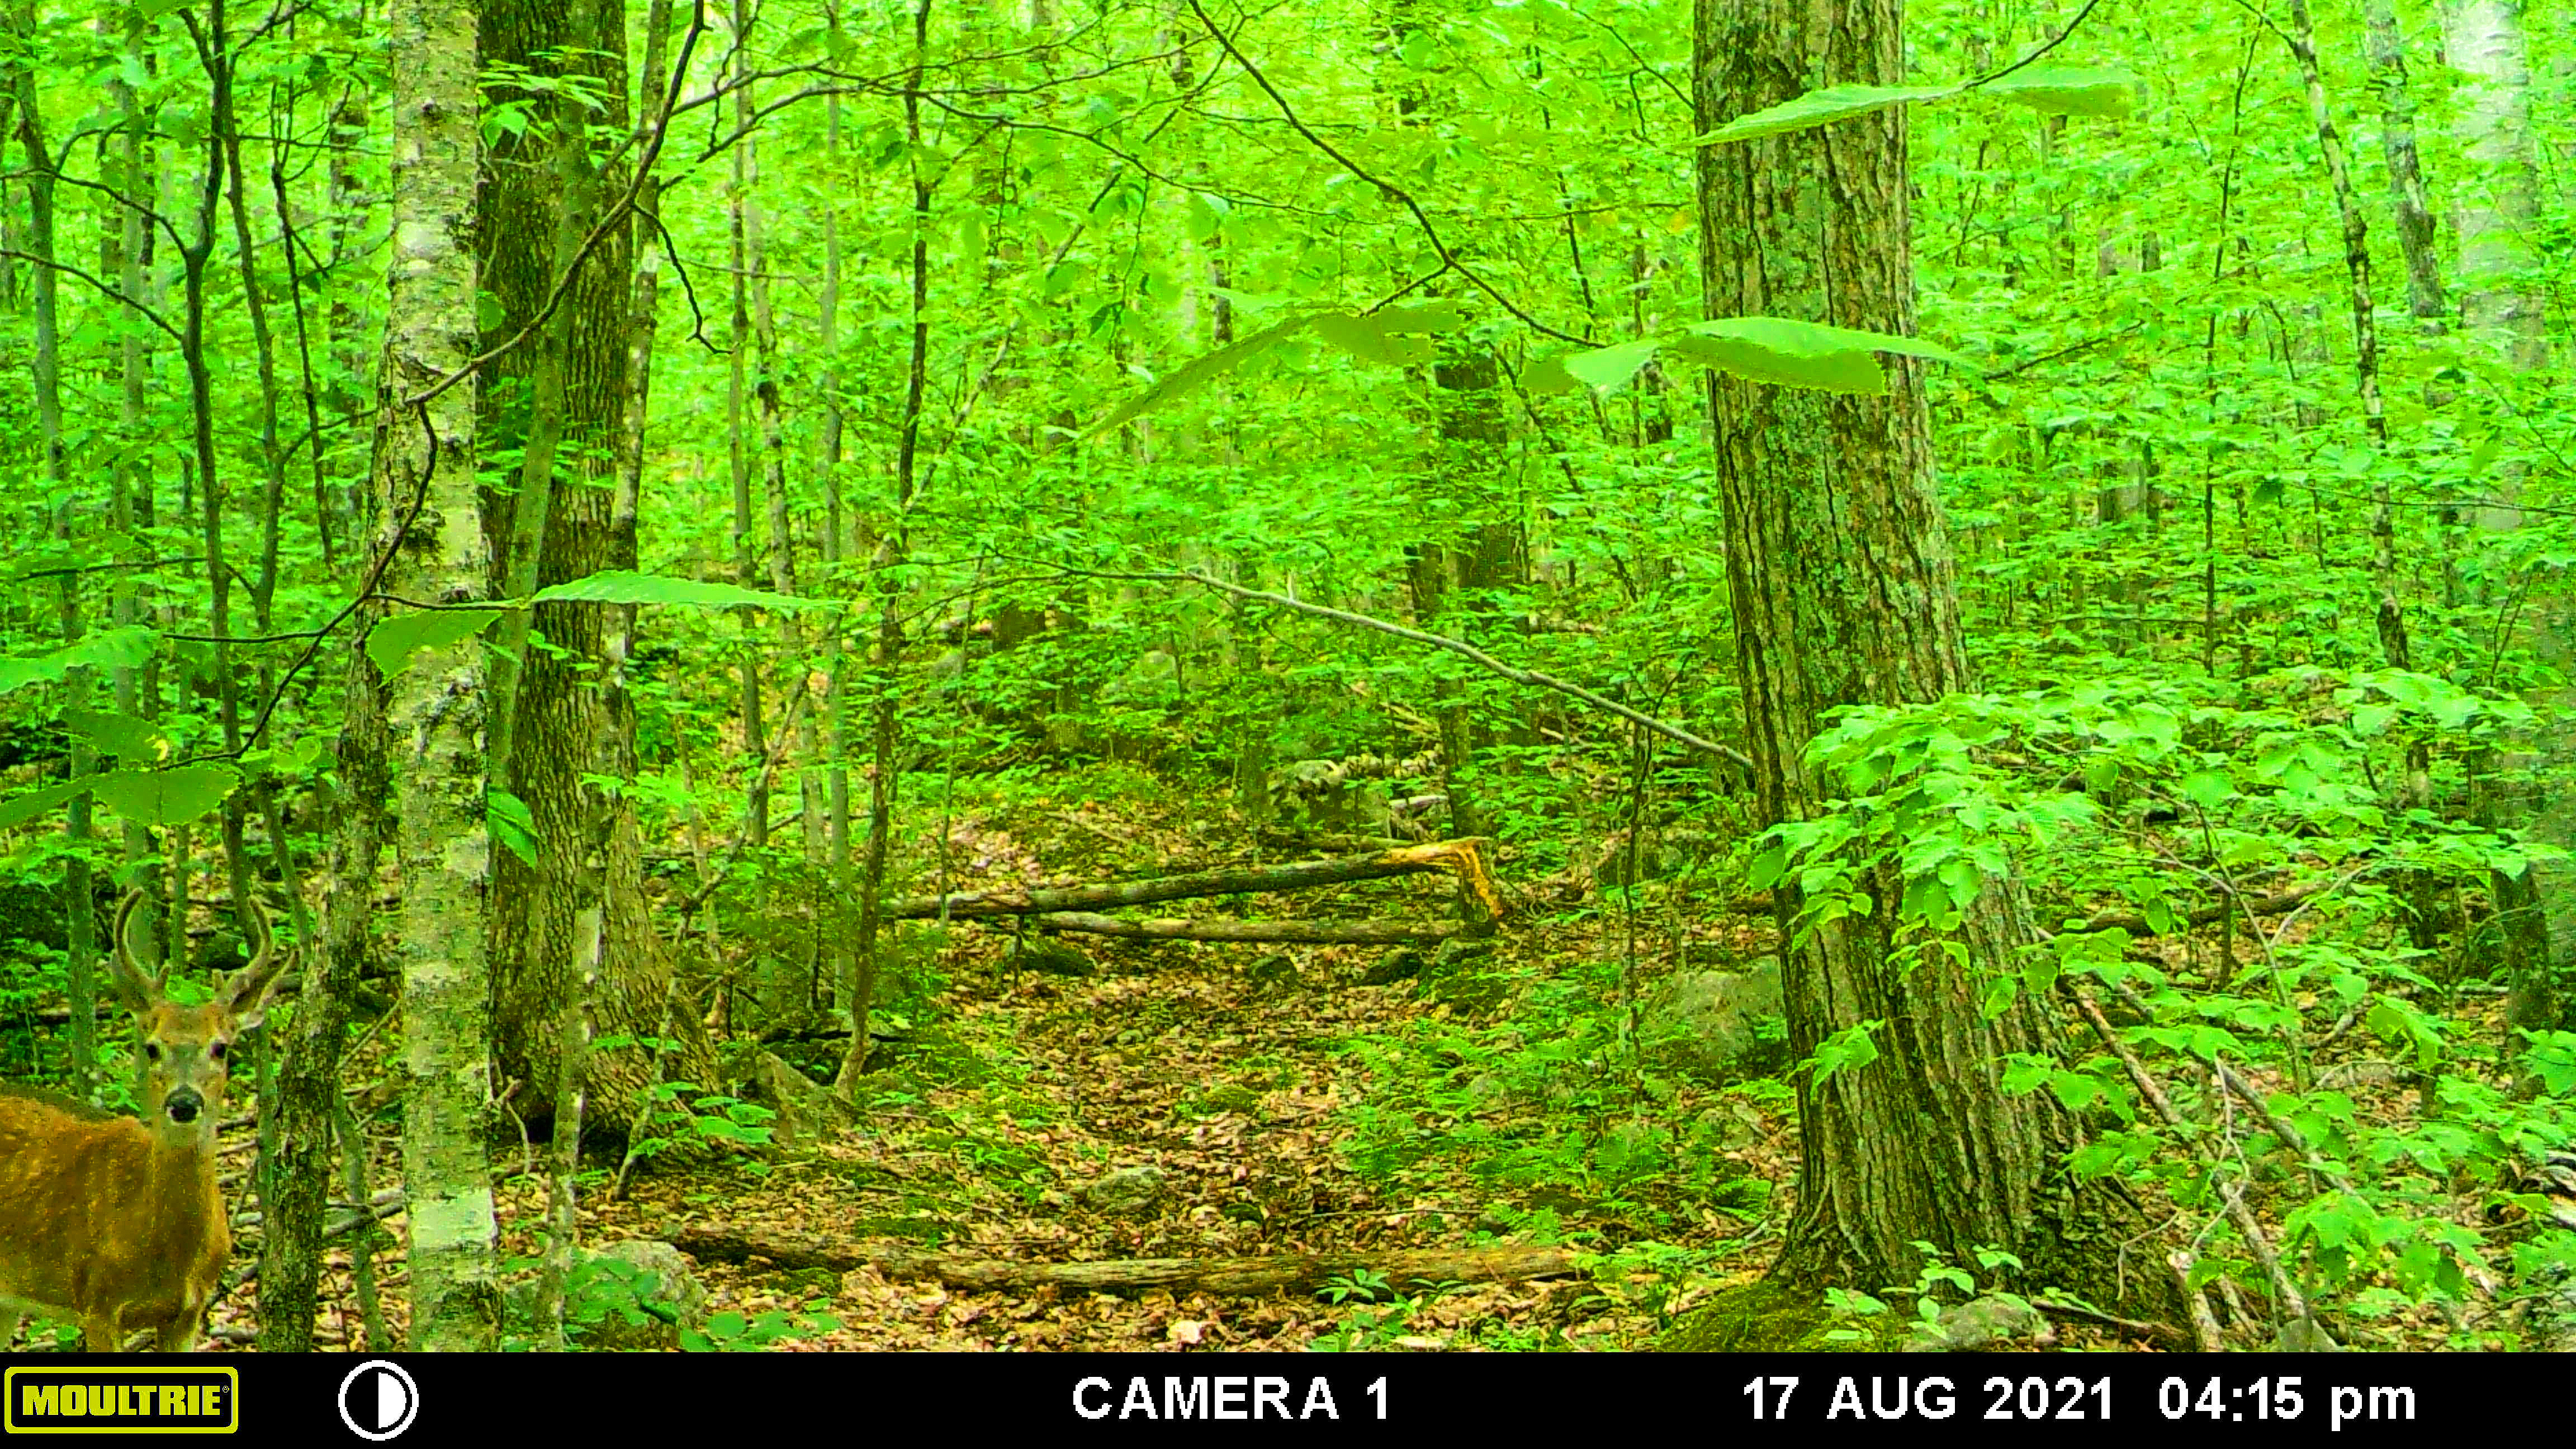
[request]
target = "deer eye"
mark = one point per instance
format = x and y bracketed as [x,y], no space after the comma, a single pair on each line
[216,1051]
[152,1051]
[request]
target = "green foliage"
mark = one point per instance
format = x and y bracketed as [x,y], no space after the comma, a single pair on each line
[397,638]
[731,1332]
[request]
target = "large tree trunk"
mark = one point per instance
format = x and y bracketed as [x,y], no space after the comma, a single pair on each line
[435,707]
[1839,569]
[569,716]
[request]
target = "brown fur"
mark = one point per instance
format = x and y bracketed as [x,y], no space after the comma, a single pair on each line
[113,1221]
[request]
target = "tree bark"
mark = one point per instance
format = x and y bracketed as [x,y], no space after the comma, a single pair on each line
[2499,205]
[568,712]
[1839,569]
[1309,933]
[2405,170]
[1463,856]
[425,466]
[80,911]
[1280,1273]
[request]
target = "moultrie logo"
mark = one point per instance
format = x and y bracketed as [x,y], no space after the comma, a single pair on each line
[77,1400]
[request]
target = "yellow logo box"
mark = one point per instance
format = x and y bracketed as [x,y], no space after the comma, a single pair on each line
[75,1400]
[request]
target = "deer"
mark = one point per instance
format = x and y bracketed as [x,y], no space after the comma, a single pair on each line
[114,1222]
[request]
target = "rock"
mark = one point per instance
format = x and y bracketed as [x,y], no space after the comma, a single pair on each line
[1400,964]
[1463,975]
[634,1296]
[1710,1024]
[807,1111]
[1979,1324]
[1052,956]
[2304,1335]
[1126,1191]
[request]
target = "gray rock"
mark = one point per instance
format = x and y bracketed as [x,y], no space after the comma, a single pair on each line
[1978,1324]
[1401,964]
[635,1296]
[1709,1024]
[1052,955]
[807,1111]
[1126,1191]
[2304,1335]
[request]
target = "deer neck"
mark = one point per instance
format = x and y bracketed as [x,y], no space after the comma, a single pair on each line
[186,1207]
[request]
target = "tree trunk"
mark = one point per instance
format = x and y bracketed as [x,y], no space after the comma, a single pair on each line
[80,912]
[435,707]
[1839,569]
[2498,208]
[2405,171]
[567,715]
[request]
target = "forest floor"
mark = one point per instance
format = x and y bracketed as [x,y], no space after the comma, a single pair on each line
[1288,1109]
[1286,1106]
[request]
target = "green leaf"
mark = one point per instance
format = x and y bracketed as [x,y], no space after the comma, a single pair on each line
[1198,372]
[1998,996]
[398,637]
[131,740]
[1433,316]
[1817,108]
[2208,789]
[1767,868]
[1848,1049]
[1605,368]
[21,808]
[616,586]
[1787,353]
[2064,90]
[106,649]
[511,824]
[1371,340]
[166,797]
[1547,377]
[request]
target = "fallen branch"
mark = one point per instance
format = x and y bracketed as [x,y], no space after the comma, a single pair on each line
[1466,857]
[2272,905]
[1304,933]
[1283,1273]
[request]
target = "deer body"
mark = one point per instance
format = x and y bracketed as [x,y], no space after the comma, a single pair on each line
[116,1222]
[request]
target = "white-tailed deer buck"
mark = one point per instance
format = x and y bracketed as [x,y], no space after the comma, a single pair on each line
[114,1222]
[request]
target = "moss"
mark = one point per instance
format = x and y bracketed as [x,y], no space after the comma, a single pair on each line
[1767,1317]
[1230,1097]
[919,1230]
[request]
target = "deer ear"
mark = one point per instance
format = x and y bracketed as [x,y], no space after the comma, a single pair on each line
[247,1000]
[137,988]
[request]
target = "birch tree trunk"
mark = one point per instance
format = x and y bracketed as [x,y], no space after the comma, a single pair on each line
[2498,200]
[424,474]
[2387,54]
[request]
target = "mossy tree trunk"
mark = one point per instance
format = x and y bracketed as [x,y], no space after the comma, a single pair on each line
[1839,569]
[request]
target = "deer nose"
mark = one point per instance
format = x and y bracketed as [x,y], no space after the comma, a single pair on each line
[183,1105]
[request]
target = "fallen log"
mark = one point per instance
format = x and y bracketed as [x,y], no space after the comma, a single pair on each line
[2271,905]
[1762,904]
[1466,857]
[1282,1273]
[1302,933]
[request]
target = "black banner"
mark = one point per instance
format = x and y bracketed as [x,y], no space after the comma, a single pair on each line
[721,1401]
